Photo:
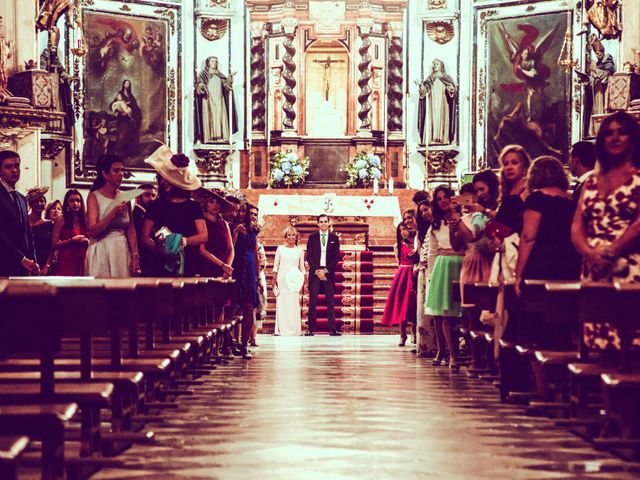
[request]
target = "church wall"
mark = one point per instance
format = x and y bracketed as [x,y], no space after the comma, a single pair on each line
[459,55]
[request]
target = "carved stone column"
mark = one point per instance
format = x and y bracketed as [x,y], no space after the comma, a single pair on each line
[257,80]
[288,122]
[394,81]
[364,66]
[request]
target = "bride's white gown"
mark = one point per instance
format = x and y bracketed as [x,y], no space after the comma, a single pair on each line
[288,308]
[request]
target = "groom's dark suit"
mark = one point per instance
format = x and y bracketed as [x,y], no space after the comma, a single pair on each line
[15,234]
[314,254]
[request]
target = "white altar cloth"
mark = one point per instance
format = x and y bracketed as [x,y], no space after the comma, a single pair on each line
[330,204]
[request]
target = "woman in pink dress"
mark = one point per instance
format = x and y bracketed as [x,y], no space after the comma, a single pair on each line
[70,238]
[401,301]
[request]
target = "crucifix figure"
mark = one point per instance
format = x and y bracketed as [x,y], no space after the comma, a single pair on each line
[327,73]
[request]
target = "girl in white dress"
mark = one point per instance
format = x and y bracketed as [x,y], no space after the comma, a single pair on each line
[288,310]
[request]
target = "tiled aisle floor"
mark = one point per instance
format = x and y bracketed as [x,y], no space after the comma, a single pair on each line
[355,407]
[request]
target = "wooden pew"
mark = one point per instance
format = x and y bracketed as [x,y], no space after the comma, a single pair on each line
[11,447]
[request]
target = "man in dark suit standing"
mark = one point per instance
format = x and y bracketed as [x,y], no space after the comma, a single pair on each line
[323,253]
[17,254]
[581,163]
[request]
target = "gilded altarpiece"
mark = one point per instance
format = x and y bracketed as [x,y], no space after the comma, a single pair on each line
[128,96]
[522,94]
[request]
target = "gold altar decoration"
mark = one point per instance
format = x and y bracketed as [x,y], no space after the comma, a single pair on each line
[213,28]
[440,31]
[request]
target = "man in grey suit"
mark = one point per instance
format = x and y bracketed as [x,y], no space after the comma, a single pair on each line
[17,254]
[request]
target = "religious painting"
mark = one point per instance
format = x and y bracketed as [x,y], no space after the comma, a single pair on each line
[129,87]
[522,95]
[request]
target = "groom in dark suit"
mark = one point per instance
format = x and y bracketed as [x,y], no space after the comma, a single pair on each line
[323,253]
[17,255]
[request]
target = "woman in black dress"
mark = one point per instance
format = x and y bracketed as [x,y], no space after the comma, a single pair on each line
[546,251]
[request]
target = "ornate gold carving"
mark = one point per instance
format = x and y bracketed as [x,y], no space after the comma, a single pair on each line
[212,161]
[441,31]
[170,15]
[442,162]
[172,94]
[125,8]
[52,145]
[484,17]
[88,2]
[27,118]
[213,28]
[436,4]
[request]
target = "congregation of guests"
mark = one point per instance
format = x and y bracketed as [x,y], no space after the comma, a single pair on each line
[522,223]
[525,223]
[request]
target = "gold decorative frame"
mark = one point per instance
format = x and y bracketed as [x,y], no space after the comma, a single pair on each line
[81,170]
[483,141]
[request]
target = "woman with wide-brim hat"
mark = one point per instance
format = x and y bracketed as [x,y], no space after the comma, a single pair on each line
[175,215]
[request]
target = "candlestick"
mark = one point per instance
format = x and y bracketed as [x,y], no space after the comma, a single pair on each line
[390,185]
[375,186]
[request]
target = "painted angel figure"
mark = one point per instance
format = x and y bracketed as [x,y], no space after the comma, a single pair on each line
[49,13]
[526,56]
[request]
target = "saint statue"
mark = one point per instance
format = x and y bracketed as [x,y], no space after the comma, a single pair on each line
[603,14]
[50,62]
[437,106]
[213,102]
[599,72]
[49,14]
[5,53]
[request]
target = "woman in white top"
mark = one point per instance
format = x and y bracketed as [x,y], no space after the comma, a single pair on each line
[113,251]
[289,257]
[443,269]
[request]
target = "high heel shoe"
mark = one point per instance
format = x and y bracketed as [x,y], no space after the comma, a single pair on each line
[403,341]
[437,361]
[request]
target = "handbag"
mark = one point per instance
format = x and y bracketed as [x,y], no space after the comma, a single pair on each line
[498,230]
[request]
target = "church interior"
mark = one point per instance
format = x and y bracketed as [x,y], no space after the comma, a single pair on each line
[374,115]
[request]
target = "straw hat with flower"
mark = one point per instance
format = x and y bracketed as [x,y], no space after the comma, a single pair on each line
[177,169]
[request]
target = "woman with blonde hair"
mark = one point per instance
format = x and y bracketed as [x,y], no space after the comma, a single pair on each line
[287,280]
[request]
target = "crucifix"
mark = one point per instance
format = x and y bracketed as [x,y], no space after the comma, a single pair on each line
[327,72]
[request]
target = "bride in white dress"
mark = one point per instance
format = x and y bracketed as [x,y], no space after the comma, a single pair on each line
[288,276]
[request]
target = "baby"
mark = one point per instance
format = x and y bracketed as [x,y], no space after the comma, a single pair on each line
[119,106]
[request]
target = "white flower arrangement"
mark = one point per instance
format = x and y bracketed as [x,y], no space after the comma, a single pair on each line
[363,170]
[288,169]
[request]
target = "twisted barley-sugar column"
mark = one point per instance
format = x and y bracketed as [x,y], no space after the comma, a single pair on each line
[394,81]
[289,82]
[257,82]
[363,82]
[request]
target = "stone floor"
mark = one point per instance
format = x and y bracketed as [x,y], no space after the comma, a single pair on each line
[355,407]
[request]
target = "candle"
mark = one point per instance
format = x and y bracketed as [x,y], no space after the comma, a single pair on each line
[375,186]
[390,185]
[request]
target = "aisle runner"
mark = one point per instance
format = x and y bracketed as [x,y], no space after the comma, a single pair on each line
[353,295]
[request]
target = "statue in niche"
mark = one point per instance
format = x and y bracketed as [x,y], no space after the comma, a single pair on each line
[48,16]
[603,14]
[213,102]
[5,54]
[50,62]
[600,69]
[437,106]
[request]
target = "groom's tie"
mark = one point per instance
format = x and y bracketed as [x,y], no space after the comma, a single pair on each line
[324,239]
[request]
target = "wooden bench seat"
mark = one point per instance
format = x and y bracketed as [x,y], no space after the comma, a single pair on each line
[44,422]
[11,447]
[127,401]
